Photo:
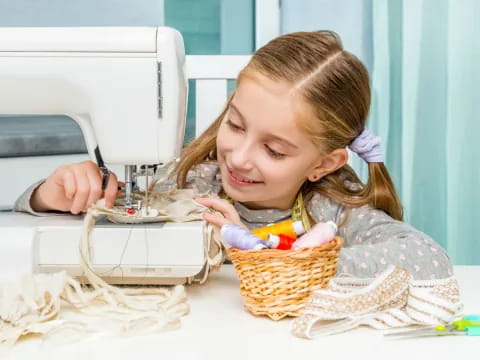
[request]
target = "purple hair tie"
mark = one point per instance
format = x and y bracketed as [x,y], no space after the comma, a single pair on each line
[368,147]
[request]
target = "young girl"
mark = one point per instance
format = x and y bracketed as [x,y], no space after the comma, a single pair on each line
[280,143]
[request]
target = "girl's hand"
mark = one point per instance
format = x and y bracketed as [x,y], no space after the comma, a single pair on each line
[223,206]
[74,188]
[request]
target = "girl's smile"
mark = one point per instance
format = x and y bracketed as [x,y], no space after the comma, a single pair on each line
[240,180]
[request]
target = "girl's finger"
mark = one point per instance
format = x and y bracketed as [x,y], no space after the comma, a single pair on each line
[96,191]
[69,185]
[111,191]
[81,194]
[218,204]
[215,220]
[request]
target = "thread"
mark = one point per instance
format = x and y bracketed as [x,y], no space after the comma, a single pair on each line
[320,233]
[148,211]
[240,238]
[289,228]
[281,242]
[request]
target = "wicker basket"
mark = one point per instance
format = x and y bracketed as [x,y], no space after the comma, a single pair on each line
[277,283]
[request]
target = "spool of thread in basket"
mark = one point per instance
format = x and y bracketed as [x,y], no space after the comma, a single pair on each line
[289,228]
[240,238]
[280,241]
[320,233]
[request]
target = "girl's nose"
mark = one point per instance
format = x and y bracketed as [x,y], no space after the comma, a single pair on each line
[241,157]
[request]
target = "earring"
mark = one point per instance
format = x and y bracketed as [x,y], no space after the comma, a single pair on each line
[314,178]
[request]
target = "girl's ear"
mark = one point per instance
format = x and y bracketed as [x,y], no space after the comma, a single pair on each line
[328,164]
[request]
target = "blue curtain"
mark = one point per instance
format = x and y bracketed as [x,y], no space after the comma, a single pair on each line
[426,91]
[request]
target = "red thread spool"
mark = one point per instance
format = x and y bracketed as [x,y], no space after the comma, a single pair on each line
[280,241]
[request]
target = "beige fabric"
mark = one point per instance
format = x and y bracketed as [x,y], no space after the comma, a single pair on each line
[391,300]
[173,205]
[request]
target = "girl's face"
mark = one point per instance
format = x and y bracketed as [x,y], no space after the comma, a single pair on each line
[263,157]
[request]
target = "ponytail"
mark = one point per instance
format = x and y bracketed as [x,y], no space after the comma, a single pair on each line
[380,191]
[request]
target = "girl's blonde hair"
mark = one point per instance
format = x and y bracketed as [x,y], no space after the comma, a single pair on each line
[335,86]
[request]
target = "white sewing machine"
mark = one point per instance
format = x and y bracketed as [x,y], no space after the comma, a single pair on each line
[127,89]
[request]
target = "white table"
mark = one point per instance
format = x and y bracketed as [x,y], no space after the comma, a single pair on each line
[219,328]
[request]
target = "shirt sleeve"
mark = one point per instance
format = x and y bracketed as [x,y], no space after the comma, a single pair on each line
[22,204]
[374,240]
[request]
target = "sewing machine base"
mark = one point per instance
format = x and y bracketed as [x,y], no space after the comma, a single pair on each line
[153,254]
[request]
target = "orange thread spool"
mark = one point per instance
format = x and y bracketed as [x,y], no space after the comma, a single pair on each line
[289,228]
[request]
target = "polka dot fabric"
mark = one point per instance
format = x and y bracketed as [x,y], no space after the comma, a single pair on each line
[373,241]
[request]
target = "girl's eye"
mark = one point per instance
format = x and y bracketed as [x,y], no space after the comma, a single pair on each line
[275,154]
[272,152]
[233,126]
